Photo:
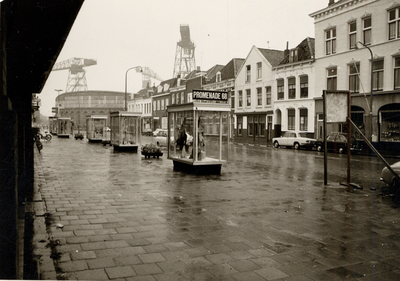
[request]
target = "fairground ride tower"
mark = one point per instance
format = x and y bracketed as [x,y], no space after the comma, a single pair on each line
[184,57]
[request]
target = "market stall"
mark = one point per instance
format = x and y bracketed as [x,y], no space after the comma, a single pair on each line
[64,127]
[53,125]
[125,130]
[198,136]
[95,125]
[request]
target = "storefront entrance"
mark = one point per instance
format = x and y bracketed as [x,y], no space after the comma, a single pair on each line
[256,129]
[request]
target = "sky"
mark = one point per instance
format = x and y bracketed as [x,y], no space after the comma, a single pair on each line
[121,34]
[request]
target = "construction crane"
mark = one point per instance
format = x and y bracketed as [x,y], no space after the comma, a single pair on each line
[147,74]
[184,56]
[76,75]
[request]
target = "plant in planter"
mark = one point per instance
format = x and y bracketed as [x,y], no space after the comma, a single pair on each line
[151,150]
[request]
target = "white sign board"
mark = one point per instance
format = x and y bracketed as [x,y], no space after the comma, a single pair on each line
[336,106]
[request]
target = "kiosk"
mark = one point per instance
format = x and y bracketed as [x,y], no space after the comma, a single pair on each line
[95,125]
[198,140]
[125,130]
[64,127]
[53,125]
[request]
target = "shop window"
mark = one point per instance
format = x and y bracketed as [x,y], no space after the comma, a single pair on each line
[268,95]
[304,86]
[240,94]
[239,125]
[291,118]
[332,79]
[367,30]
[389,117]
[292,87]
[377,75]
[354,78]
[259,96]
[397,73]
[394,23]
[250,125]
[330,41]
[280,89]
[248,97]
[248,74]
[303,119]
[259,70]
[352,35]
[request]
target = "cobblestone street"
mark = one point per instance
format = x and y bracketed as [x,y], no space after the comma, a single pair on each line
[268,216]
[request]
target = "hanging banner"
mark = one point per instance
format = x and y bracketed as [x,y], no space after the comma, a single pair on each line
[210,95]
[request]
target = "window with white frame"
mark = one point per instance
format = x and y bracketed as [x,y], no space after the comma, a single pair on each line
[259,96]
[331,84]
[173,99]
[330,41]
[166,103]
[248,97]
[367,30]
[292,87]
[352,34]
[218,77]
[259,70]
[394,23]
[162,104]
[158,104]
[248,74]
[397,73]
[268,95]
[304,86]
[280,89]
[182,97]
[354,77]
[377,75]
[240,100]
[291,118]
[154,105]
[303,119]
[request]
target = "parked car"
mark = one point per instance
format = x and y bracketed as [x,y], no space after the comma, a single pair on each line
[161,138]
[387,176]
[156,132]
[294,139]
[337,142]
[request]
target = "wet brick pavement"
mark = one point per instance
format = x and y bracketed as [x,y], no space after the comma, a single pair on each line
[120,216]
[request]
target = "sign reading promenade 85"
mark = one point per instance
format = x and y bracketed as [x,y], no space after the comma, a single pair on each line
[210,95]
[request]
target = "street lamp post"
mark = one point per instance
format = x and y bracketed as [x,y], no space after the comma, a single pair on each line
[138,69]
[372,82]
[58,91]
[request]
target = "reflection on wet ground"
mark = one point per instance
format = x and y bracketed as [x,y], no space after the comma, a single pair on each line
[267,216]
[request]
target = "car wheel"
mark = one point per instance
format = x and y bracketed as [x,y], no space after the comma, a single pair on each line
[319,148]
[341,150]
[276,144]
[297,146]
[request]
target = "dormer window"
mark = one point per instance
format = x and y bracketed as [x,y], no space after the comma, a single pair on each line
[218,77]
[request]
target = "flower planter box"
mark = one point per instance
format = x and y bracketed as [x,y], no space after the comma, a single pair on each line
[154,154]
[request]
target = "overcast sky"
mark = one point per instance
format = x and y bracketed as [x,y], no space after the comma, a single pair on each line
[121,34]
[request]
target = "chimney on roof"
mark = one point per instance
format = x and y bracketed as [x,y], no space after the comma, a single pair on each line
[331,2]
[286,52]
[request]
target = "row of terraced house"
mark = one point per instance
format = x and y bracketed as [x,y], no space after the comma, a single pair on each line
[356,47]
